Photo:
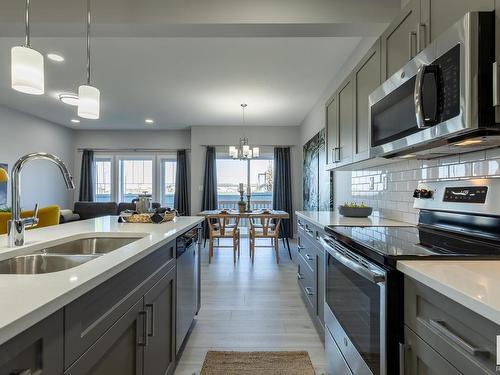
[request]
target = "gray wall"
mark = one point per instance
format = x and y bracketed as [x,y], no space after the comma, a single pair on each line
[41,181]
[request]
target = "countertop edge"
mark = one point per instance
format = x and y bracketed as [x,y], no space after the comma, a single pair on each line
[17,326]
[473,304]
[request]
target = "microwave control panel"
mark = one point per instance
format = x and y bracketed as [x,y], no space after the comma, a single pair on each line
[469,194]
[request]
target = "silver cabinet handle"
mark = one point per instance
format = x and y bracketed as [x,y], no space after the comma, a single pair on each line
[299,276]
[308,257]
[144,335]
[411,36]
[308,291]
[441,328]
[300,247]
[151,306]
[496,84]
[421,44]
[402,349]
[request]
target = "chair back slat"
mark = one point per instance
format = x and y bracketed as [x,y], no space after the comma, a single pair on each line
[219,222]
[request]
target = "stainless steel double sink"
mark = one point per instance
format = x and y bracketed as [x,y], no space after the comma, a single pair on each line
[63,256]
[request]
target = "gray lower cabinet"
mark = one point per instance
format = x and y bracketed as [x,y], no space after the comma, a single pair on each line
[444,336]
[421,359]
[159,304]
[38,350]
[118,351]
[310,270]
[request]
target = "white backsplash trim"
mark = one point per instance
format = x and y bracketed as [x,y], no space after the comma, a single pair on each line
[389,188]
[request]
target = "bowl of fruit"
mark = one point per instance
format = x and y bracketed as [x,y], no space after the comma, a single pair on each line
[355,210]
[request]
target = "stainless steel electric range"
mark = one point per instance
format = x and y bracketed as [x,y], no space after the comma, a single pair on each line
[364,291]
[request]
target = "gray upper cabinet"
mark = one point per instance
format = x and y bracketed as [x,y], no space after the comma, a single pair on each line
[497,28]
[399,41]
[439,15]
[367,77]
[346,120]
[332,131]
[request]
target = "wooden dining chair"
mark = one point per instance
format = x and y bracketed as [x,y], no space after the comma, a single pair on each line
[265,226]
[223,226]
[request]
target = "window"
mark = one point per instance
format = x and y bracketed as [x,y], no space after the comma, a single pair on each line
[103,191]
[136,177]
[168,171]
[120,178]
[257,172]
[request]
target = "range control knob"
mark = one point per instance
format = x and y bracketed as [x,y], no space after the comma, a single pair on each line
[425,194]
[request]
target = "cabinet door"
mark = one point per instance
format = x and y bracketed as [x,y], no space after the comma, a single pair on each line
[497,38]
[332,131]
[120,350]
[159,304]
[38,350]
[421,359]
[367,77]
[439,15]
[346,120]
[399,40]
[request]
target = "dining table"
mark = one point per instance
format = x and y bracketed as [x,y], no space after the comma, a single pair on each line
[278,214]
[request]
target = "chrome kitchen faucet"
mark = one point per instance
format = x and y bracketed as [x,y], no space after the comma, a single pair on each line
[16,226]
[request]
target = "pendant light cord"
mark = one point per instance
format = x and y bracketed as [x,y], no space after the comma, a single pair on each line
[27,23]
[88,42]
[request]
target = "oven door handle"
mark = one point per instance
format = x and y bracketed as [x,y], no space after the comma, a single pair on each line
[371,275]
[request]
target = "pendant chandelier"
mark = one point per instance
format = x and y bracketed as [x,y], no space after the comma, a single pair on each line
[243,151]
[88,95]
[27,68]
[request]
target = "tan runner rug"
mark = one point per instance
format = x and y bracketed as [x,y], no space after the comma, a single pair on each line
[262,363]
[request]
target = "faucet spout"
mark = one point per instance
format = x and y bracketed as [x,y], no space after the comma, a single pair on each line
[16,224]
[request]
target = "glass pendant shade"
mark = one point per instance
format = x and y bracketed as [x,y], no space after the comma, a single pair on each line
[88,102]
[246,150]
[256,152]
[232,151]
[27,71]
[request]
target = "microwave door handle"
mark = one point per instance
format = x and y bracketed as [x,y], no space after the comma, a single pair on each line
[374,277]
[419,108]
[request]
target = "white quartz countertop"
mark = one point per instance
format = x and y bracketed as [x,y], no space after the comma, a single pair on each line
[324,218]
[473,284]
[27,299]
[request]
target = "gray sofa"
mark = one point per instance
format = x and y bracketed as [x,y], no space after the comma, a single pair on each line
[91,210]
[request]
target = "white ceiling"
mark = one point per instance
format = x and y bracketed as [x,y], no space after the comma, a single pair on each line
[180,74]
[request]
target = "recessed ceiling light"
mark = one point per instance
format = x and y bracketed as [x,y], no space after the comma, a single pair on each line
[68,98]
[149,121]
[55,57]
[75,120]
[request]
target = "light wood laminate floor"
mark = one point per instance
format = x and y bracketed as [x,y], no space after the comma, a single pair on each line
[250,308]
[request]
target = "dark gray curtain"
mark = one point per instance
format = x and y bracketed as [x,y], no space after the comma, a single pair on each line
[87,177]
[209,201]
[181,197]
[282,187]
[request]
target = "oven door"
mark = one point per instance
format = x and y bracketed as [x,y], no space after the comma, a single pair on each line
[355,308]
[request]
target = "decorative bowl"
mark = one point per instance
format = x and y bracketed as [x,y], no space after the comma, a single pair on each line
[355,211]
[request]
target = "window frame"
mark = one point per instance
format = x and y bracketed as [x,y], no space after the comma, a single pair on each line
[110,158]
[161,158]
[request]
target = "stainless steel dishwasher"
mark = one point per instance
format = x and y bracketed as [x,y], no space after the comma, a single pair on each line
[188,282]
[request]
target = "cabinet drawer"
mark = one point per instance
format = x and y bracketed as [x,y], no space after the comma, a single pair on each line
[90,316]
[421,359]
[304,268]
[307,255]
[307,284]
[458,334]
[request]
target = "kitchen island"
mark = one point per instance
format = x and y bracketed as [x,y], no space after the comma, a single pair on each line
[86,302]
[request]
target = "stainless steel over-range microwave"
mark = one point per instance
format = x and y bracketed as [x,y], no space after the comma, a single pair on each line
[441,101]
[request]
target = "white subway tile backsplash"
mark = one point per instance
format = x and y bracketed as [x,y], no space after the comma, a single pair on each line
[393,184]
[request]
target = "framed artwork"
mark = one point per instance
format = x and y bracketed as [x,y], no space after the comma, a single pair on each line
[317,182]
[3,187]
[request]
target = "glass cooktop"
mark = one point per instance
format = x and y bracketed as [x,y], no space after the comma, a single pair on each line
[414,242]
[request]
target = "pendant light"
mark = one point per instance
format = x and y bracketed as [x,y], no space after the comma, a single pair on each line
[243,151]
[88,95]
[27,72]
